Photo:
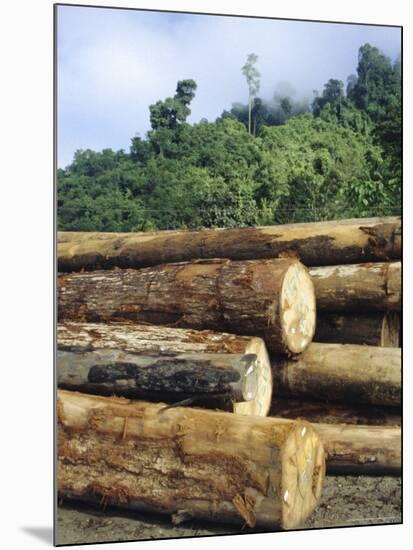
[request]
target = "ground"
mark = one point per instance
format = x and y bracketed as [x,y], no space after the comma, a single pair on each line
[346,500]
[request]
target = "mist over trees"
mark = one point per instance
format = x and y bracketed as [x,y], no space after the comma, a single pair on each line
[268,161]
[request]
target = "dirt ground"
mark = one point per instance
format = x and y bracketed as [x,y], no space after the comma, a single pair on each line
[346,501]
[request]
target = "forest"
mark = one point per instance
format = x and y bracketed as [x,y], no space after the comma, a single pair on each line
[261,163]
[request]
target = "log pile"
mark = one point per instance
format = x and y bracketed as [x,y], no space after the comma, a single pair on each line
[173,346]
[273,299]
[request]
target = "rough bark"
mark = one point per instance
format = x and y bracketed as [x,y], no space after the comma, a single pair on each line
[372,329]
[334,413]
[236,468]
[320,243]
[358,287]
[161,341]
[273,299]
[342,372]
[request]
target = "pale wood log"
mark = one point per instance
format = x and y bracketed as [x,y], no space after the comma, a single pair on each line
[334,413]
[358,287]
[161,341]
[319,243]
[372,329]
[273,299]
[188,462]
[363,450]
[342,372]
[153,339]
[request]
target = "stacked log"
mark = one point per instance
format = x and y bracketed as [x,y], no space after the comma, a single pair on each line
[315,244]
[379,328]
[351,288]
[342,372]
[242,469]
[359,449]
[162,363]
[359,303]
[273,299]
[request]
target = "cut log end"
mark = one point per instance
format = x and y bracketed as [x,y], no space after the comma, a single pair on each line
[298,308]
[303,475]
[257,386]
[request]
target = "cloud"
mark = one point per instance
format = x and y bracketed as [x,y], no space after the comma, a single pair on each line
[112,64]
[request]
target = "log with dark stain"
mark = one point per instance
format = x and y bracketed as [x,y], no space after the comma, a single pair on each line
[319,243]
[160,341]
[328,412]
[371,328]
[161,378]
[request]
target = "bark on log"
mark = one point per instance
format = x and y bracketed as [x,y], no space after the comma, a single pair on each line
[358,287]
[334,413]
[160,341]
[372,329]
[320,243]
[273,299]
[364,450]
[236,468]
[342,372]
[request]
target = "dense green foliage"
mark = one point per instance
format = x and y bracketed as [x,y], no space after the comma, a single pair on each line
[341,158]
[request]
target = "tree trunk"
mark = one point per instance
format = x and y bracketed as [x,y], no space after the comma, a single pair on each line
[165,342]
[188,462]
[273,299]
[363,450]
[319,243]
[372,329]
[249,114]
[342,372]
[360,287]
[334,413]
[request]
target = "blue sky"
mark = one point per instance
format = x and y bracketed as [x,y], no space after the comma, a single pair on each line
[112,64]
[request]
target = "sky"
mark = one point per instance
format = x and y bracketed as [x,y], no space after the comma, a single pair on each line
[112,64]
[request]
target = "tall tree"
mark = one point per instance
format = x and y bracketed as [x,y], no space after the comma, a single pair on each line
[252,75]
[333,94]
[168,114]
[375,82]
[173,110]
